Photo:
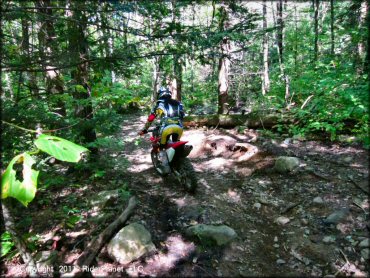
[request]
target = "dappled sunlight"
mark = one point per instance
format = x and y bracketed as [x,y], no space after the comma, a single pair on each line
[180,202]
[175,249]
[233,195]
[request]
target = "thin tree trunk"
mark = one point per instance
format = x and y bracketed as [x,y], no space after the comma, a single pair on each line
[265,75]
[47,35]
[19,243]
[367,59]
[30,76]
[177,61]
[156,77]
[279,39]
[78,47]
[223,65]
[316,28]
[280,25]
[332,26]
[361,44]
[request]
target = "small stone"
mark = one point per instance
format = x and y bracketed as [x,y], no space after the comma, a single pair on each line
[365,243]
[276,239]
[337,216]
[304,221]
[280,261]
[361,267]
[318,200]
[282,220]
[365,254]
[207,234]
[257,206]
[348,159]
[285,164]
[328,239]
[276,245]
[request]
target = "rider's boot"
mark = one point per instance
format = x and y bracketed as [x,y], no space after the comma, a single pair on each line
[164,165]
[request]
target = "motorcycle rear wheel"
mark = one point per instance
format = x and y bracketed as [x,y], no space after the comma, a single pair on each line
[187,175]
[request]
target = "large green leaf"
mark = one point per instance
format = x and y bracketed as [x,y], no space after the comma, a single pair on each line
[23,191]
[60,148]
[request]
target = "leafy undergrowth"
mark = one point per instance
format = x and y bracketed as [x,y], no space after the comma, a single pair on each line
[237,187]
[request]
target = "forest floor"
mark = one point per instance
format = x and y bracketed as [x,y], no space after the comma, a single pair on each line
[281,219]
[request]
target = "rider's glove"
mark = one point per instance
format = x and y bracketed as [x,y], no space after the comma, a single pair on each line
[143,132]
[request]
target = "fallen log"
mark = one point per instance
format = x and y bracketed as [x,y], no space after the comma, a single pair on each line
[253,120]
[93,249]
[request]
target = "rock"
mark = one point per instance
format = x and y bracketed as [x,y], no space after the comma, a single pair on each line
[209,234]
[365,243]
[348,159]
[130,243]
[304,221]
[285,164]
[105,198]
[280,261]
[282,220]
[328,239]
[365,254]
[318,200]
[45,259]
[337,216]
[257,206]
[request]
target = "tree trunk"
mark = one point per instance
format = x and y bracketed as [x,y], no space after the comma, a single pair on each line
[332,26]
[177,61]
[156,78]
[265,74]
[223,65]
[78,47]
[316,28]
[30,264]
[279,39]
[280,27]
[367,59]
[47,35]
[30,76]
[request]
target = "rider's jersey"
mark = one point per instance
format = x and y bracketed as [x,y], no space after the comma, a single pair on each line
[170,111]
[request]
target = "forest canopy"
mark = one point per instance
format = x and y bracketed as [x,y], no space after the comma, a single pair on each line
[74,66]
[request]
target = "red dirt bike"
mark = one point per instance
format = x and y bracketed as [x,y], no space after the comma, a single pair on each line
[180,165]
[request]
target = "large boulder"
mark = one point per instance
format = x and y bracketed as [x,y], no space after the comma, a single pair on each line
[210,234]
[285,164]
[130,243]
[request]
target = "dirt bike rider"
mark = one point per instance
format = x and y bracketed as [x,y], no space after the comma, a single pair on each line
[171,114]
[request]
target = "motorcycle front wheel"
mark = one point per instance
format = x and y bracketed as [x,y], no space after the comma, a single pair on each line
[156,162]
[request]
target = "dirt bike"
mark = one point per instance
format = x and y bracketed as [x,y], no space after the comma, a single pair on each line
[177,153]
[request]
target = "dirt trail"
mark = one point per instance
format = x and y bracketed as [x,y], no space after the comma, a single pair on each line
[281,219]
[237,188]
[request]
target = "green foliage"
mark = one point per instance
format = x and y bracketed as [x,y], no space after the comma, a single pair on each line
[24,191]
[7,243]
[11,187]
[59,148]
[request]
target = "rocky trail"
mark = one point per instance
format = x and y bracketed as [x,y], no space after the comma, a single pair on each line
[268,207]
